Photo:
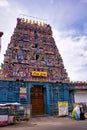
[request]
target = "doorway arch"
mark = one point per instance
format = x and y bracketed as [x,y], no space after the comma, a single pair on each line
[37,100]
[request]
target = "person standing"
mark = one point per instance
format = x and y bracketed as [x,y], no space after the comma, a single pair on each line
[77,113]
[82,117]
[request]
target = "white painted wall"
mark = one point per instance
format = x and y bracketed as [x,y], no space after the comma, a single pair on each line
[80,96]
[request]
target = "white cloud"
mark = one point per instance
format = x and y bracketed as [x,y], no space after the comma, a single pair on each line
[4,3]
[73,53]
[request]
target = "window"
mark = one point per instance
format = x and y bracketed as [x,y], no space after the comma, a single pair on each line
[35,36]
[37,56]
[36,45]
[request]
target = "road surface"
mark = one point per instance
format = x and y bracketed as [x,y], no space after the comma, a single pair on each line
[48,123]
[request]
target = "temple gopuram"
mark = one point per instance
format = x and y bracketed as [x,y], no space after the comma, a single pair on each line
[33,71]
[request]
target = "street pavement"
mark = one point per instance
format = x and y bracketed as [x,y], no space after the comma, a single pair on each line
[48,123]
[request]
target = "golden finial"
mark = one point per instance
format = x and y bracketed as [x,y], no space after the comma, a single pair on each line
[40,23]
[44,24]
[30,21]
[33,21]
[26,20]
[23,20]
[37,22]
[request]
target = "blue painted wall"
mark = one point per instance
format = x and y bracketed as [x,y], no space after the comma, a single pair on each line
[54,92]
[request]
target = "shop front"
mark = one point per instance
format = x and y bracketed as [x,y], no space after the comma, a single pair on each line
[80,96]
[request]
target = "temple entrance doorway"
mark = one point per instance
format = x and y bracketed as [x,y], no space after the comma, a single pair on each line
[37,100]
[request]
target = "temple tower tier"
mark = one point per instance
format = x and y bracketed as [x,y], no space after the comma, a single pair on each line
[32,54]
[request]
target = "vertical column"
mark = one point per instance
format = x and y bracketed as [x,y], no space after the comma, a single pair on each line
[66,93]
[48,100]
[67,96]
[29,85]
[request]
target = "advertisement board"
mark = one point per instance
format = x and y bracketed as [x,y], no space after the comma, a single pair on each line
[63,108]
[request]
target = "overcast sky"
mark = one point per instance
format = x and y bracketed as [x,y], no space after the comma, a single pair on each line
[68,19]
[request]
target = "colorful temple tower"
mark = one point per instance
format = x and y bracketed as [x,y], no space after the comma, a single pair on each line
[32,54]
[33,71]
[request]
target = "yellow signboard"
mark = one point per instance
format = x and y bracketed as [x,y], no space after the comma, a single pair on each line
[63,104]
[23,90]
[63,108]
[37,73]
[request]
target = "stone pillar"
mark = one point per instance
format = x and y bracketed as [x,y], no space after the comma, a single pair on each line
[48,100]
